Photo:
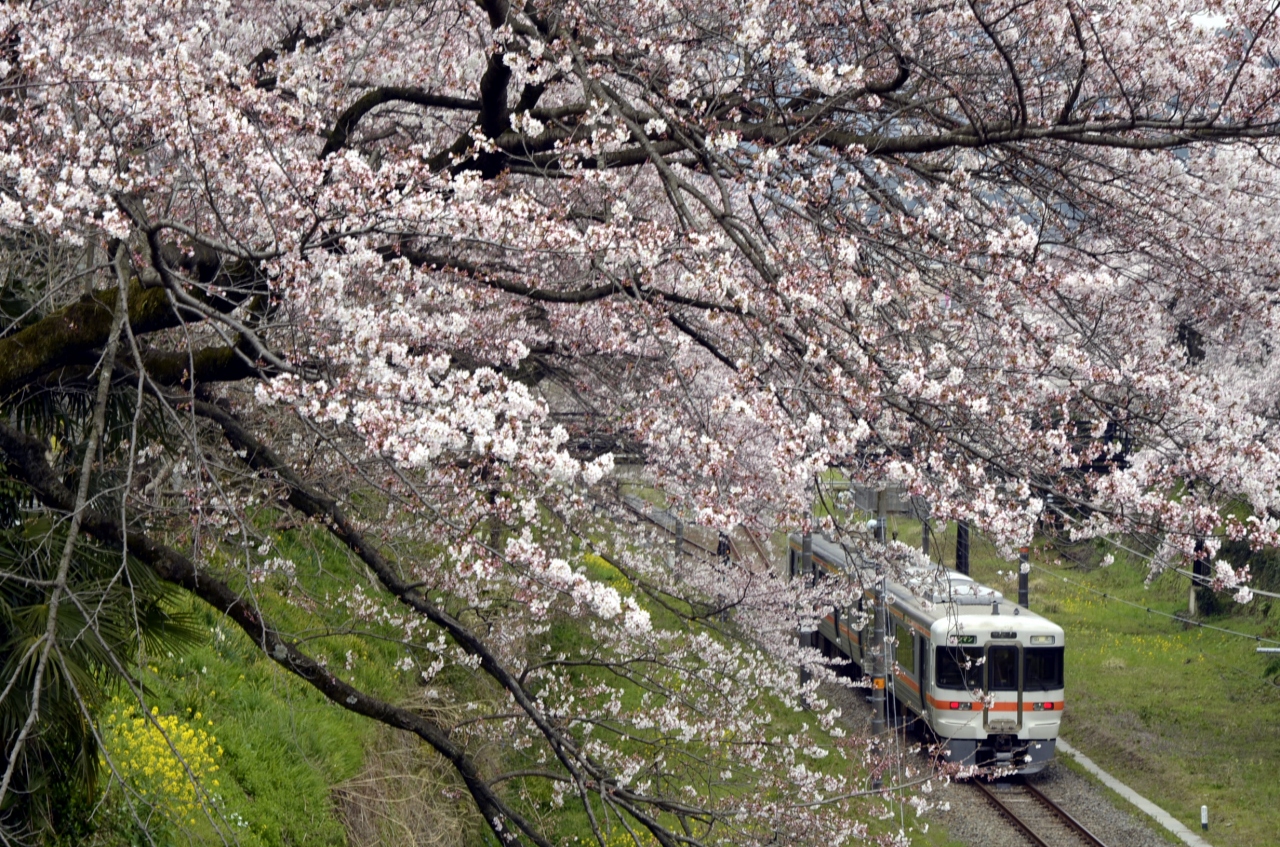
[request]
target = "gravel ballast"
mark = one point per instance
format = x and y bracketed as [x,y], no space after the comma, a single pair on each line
[970,818]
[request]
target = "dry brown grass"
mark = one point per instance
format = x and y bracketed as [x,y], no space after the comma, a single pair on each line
[406,795]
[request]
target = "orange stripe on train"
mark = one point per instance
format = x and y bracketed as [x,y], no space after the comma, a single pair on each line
[975,705]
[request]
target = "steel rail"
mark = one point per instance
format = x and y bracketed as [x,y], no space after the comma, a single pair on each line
[1053,808]
[1009,813]
[1064,816]
[759,548]
[648,516]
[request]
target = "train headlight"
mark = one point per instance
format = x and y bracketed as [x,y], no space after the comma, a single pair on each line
[1042,639]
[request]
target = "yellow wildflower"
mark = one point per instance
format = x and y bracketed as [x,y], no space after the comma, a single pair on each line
[144,753]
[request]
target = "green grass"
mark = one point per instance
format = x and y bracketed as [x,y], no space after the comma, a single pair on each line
[285,747]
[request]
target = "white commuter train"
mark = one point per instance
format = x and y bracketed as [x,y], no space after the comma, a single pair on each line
[955,640]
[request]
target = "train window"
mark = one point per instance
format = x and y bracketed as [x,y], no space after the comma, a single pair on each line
[950,671]
[1002,668]
[905,652]
[1042,668]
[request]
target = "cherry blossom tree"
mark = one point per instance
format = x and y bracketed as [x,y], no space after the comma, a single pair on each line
[441,278]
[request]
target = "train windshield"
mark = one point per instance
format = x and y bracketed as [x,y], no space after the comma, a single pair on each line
[1042,668]
[1002,667]
[950,670]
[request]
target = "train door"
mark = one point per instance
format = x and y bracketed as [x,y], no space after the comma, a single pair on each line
[1003,677]
[905,656]
[922,657]
[843,642]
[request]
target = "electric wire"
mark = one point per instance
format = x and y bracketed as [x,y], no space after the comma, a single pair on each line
[1206,582]
[891,707]
[1151,559]
[1109,596]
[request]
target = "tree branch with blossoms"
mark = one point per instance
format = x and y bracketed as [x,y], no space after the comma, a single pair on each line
[494,266]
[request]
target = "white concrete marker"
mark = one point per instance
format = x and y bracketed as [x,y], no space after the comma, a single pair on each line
[1162,817]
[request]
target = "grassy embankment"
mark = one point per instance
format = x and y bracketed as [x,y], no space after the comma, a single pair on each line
[294,769]
[881,818]
[1182,714]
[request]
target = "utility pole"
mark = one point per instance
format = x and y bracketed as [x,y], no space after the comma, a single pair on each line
[1023,573]
[962,547]
[878,654]
[924,533]
[806,573]
[880,516]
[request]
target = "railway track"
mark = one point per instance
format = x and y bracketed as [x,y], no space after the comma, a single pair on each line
[1042,821]
[668,523]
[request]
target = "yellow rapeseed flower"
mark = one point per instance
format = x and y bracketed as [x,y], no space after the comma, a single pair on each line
[144,753]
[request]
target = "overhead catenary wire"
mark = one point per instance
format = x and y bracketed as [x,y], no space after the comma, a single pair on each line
[894,792]
[1207,582]
[1108,596]
[1202,580]
[1194,577]
[1180,618]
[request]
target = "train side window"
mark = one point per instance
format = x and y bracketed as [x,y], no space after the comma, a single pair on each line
[905,651]
[1042,668]
[1002,668]
[950,671]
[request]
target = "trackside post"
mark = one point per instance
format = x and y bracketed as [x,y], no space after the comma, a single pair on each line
[1024,569]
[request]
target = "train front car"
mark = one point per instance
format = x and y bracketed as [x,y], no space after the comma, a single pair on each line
[996,692]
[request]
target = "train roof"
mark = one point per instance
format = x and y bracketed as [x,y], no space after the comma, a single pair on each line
[934,593]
